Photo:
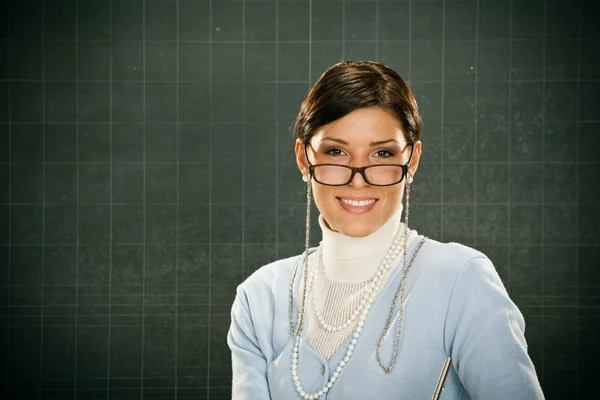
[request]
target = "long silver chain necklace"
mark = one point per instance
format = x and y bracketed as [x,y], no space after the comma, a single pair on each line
[297,331]
[400,291]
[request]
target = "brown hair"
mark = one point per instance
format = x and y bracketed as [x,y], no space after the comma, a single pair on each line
[349,85]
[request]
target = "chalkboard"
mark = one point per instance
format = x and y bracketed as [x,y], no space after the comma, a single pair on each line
[147,168]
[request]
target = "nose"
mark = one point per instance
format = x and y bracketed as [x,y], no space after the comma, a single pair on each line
[358,180]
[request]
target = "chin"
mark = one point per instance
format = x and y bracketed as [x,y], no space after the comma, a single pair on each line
[356,228]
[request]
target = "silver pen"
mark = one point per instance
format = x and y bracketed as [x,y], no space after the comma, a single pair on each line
[442,379]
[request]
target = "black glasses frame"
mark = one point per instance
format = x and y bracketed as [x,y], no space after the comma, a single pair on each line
[360,170]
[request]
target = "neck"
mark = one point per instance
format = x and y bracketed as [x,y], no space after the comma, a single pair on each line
[351,259]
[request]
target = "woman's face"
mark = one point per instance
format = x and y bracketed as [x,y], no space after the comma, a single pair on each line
[349,141]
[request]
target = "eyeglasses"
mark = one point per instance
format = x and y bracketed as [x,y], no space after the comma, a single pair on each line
[375,175]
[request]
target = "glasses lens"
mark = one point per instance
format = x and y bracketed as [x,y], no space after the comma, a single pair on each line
[376,175]
[384,174]
[332,174]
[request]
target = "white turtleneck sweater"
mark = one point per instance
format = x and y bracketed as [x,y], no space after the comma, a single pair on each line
[348,264]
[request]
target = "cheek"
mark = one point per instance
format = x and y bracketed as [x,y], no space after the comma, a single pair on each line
[322,195]
[324,199]
[392,197]
[394,193]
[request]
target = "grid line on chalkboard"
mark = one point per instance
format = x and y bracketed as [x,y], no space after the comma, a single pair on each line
[43,233]
[577,194]
[476,124]
[111,204]
[9,240]
[239,81]
[377,30]
[315,41]
[543,122]
[234,121]
[243,144]
[176,339]
[144,140]
[442,106]
[210,205]
[410,42]
[510,132]
[550,162]
[77,230]
[277,130]
[310,42]
[344,29]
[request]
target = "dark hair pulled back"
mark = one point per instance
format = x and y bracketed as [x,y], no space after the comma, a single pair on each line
[350,85]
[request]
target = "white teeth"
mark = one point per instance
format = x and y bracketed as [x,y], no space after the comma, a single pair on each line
[356,203]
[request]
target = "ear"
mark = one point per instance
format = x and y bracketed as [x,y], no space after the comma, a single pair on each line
[301,157]
[414,162]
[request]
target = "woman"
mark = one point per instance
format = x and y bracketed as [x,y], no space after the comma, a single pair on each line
[376,310]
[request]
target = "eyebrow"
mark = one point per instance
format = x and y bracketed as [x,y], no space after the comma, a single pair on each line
[373,144]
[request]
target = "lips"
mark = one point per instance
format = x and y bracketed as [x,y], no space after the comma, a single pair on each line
[357,205]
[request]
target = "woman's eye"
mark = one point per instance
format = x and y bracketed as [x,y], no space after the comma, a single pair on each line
[334,152]
[384,153]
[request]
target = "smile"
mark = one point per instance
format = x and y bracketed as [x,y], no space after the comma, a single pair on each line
[360,203]
[357,206]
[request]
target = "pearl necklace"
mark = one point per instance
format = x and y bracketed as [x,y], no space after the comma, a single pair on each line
[372,294]
[389,257]
[338,370]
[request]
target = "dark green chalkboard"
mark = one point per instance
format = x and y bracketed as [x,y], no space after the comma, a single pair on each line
[146,169]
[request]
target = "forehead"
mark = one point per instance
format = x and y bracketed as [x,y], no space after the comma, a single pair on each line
[362,126]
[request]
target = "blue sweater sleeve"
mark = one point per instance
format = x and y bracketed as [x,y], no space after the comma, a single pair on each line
[485,336]
[249,365]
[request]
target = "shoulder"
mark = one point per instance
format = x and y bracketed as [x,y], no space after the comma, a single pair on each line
[460,271]
[261,304]
[450,259]
[470,279]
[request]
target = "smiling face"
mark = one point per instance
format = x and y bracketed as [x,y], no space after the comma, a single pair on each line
[366,136]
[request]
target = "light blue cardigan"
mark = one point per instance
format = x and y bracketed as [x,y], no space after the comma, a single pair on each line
[455,305]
